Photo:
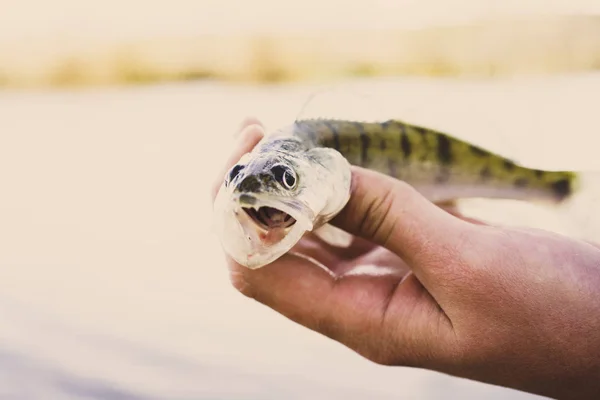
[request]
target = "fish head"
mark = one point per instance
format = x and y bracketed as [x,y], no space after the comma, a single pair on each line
[268,201]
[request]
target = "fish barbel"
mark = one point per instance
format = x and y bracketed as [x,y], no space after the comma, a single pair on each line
[298,178]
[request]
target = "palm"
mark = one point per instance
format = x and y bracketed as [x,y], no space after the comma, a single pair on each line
[361,258]
[363,294]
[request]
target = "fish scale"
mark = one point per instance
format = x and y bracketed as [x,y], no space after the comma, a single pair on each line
[441,166]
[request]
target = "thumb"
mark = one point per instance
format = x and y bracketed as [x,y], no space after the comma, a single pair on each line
[391,213]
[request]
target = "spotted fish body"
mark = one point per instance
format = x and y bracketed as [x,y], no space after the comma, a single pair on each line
[441,167]
[298,178]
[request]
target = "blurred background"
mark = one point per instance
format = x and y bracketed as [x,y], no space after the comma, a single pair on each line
[115,117]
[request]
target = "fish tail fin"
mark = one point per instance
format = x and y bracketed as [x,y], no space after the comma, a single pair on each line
[578,195]
[560,185]
[539,185]
[571,200]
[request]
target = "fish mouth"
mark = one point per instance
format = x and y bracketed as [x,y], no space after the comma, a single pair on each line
[266,221]
[255,229]
[269,218]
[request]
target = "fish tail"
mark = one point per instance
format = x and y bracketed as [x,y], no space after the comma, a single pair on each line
[578,199]
[559,185]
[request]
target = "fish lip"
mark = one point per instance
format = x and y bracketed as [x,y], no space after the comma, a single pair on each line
[297,209]
[246,200]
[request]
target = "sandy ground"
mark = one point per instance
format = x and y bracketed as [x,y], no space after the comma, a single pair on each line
[112,286]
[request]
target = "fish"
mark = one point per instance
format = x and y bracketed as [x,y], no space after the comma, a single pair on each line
[297,179]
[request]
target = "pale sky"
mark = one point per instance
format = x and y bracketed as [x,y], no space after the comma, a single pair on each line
[128,19]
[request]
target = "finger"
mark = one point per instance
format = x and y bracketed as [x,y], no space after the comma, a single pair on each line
[453,210]
[365,257]
[316,248]
[331,257]
[357,247]
[293,286]
[393,214]
[249,136]
[348,309]
[378,262]
[451,207]
[246,123]
[592,243]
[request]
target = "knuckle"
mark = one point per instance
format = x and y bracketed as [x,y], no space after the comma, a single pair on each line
[377,220]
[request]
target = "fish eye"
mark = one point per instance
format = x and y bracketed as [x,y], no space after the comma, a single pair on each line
[233,173]
[284,175]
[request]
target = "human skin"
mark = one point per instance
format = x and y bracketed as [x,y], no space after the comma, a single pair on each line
[514,307]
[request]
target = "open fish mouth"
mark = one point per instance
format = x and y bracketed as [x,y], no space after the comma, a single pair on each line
[275,213]
[269,218]
[266,225]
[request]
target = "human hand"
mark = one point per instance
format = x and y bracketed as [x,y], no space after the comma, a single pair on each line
[427,288]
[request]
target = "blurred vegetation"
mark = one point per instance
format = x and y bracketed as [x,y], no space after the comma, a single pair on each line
[4,80]
[486,49]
